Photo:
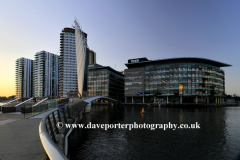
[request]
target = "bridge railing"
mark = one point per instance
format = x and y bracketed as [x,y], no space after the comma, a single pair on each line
[51,136]
[24,102]
[6,103]
[76,100]
[42,106]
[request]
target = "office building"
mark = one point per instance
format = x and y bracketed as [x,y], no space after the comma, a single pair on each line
[24,78]
[176,80]
[105,81]
[45,74]
[92,57]
[122,71]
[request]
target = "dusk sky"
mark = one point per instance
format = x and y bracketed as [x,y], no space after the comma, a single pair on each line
[119,30]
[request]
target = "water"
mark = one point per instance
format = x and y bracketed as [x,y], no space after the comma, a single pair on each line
[218,137]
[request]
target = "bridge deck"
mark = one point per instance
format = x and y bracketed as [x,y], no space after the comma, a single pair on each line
[19,137]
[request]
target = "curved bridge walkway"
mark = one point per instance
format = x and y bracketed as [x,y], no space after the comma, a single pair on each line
[19,137]
[78,107]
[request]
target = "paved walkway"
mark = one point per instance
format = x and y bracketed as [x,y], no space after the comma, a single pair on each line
[19,137]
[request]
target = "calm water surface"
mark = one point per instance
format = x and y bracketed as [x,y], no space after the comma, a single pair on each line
[218,137]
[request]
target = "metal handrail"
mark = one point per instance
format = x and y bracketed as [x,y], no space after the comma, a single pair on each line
[24,102]
[42,106]
[40,102]
[48,137]
[10,102]
[50,147]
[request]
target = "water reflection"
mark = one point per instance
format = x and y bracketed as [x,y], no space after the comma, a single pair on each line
[218,137]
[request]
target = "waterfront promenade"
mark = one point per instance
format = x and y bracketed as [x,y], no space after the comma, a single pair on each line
[19,137]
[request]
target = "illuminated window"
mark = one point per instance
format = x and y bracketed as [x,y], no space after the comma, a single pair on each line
[180,88]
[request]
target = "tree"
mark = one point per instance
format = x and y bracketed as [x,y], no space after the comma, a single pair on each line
[234,95]
[11,97]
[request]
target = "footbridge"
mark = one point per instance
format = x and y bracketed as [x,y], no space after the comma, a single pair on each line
[84,105]
[90,100]
[55,140]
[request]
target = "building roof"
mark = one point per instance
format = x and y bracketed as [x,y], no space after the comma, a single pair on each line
[122,71]
[68,30]
[72,30]
[106,67]
[134,62]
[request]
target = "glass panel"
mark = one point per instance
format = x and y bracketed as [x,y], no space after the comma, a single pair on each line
[32,110]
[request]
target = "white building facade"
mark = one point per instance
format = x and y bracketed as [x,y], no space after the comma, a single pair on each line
[68,79]
[67,63]
[24,78]
[46,74]
[81,49]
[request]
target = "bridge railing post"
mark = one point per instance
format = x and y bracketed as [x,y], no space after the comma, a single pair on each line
[51,130]
[55,123]
[59,117]
[64,116]
[69,116]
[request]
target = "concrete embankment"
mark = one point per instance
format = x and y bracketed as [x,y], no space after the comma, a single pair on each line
[175,105]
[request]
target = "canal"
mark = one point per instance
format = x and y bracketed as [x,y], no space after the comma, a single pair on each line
[217,138]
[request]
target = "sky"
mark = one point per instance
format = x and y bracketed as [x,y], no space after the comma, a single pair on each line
[119,30]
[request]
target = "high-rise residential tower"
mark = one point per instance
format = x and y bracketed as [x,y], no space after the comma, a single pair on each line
[24,78]
[45,74]
[67,63]
[68,79]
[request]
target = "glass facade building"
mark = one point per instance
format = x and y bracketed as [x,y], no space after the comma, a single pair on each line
[92,57]
[105,81]
[177,80]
